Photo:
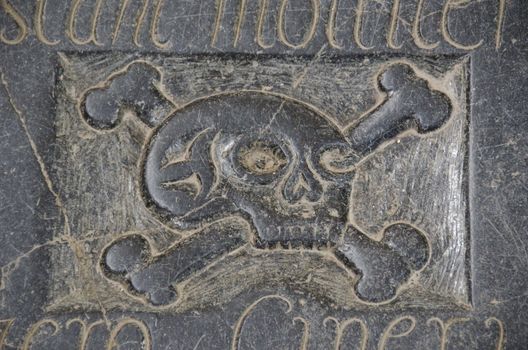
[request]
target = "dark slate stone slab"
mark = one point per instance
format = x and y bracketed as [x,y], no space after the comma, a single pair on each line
[272,174]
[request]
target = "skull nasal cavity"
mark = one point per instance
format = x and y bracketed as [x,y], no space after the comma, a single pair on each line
[302,184]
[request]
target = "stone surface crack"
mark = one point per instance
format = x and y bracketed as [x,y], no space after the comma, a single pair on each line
[36,154]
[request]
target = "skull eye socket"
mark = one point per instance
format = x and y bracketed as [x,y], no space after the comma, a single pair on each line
[336,160]
[262,158]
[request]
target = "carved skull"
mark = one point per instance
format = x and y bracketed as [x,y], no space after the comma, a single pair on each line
[278,163]
[249,154]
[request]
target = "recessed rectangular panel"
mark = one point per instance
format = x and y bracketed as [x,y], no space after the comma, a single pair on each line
[217,161]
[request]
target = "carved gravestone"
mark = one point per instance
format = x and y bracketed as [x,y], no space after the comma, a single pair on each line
[272,174]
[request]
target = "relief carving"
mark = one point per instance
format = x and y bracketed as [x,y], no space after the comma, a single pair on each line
[273,161]
[220,180]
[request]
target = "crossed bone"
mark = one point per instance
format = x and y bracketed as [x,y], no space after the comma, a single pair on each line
[382,266]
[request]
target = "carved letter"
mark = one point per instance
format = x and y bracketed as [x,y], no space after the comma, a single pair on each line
[122,9]
[39,24]
[129,322]
[139,20]
[84,331]
[500,341]
[306,332]
[342,327]
[357,25]
[240,21]
[445,27]
[154,27]
[71,31]
[139,23]
[387,334]
[500,23]
[393,26]
[311,30]
[34,329]
[260,24]
[220,8]
[416,33]
[331,26]
[444,328]
[6,325]
[245,314]
[19,20]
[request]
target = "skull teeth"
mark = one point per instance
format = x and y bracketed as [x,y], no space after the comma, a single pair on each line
[315,245]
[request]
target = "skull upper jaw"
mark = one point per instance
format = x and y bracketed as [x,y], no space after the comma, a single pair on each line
[303,223]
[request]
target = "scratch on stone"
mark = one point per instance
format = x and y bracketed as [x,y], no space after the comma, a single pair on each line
[66,237]
[302,75]
[38,157]
[198,342]
[273,118]
[13,264]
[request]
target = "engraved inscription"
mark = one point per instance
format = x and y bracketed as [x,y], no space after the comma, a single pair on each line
[152,17]
[342,327]
[4,330]
[409,322]
[444,327]
[22,26]
[50,329]
[396,328]
[85,330]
